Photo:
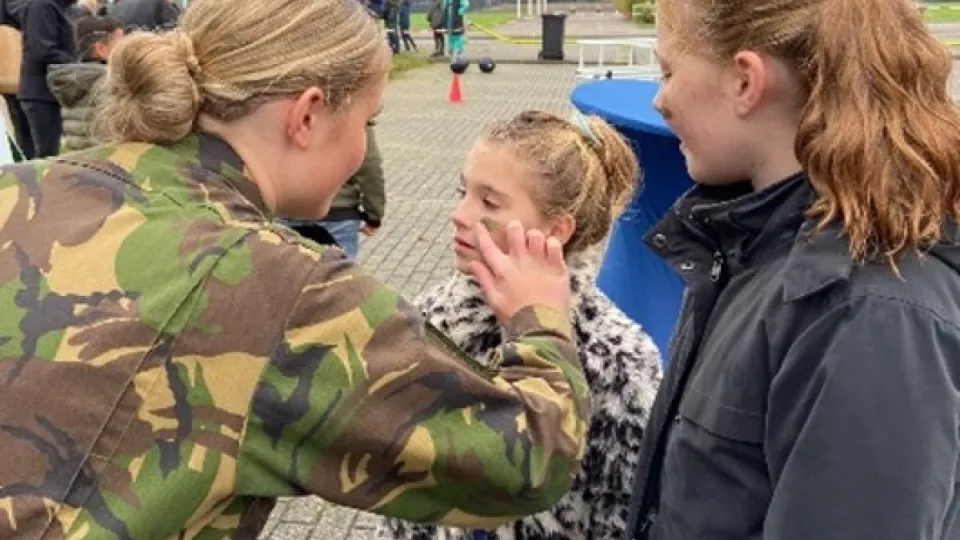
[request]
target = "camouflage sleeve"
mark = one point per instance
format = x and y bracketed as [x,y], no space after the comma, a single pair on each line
[367,406]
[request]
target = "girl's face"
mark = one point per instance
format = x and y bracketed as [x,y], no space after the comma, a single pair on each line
[698,99]
[495,188]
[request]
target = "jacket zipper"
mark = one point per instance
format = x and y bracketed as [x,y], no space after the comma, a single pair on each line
[716,270]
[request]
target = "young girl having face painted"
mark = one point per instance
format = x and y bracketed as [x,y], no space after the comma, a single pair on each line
[569,180]
[815,373]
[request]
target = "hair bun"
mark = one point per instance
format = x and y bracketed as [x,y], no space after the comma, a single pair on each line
[184,44]
[153,94]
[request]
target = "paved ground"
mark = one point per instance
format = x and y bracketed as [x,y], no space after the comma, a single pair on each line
[423,139]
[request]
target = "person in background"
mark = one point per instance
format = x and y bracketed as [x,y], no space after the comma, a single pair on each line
[48,39]
[87,8]
[78,86]
[454,22]
[391,19]
[376,8]
[173,360]
[150,15]
[11,58]
[358,207]
[813,388]
[435,20]
[408,41]
[572,178]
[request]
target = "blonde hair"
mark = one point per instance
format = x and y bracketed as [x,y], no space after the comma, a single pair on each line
[586,172]
[229,57]
[879,135]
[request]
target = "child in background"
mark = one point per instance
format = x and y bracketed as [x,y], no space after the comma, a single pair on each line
[570,180]
[454,13]
[77,86]
[435,19]
[408,42]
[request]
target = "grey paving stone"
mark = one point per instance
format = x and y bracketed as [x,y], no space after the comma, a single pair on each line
[302,510]
[292,531]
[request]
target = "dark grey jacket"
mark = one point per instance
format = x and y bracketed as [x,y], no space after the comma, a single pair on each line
[146,14]
[48,38]
[805,398]
[12,12]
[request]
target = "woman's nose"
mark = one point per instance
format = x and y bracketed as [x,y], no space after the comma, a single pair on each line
[658,101]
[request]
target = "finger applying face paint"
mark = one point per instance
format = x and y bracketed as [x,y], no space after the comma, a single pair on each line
[516,239]
[535,243]
[492,256]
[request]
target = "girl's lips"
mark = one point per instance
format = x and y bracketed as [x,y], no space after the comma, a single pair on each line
[460,245]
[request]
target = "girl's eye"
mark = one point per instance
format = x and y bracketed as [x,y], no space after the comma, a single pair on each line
[461,192]
[490,205]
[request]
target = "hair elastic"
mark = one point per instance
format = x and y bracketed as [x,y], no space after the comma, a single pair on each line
[579,120]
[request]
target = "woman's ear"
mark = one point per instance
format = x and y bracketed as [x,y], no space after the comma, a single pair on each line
[562,228]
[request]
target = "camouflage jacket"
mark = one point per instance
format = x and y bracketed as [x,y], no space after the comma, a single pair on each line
[171,361]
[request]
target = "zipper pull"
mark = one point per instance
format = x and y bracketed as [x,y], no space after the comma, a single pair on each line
[717,269]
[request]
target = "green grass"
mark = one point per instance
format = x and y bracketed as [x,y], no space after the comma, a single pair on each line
[489,19]
[942,15]
[403,62]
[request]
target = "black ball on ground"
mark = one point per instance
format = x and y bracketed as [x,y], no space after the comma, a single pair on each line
[486,64]
[459,64]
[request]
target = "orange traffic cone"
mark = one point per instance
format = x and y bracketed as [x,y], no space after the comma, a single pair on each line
[454,95]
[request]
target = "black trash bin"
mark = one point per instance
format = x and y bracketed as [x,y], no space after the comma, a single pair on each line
[554,26]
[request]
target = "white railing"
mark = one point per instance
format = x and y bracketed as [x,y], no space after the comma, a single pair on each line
[640,62]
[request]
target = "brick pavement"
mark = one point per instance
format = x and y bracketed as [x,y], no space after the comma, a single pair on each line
[424,140]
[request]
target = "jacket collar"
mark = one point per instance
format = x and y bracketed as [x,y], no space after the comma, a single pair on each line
[732,222]
[211,154]
[743,226]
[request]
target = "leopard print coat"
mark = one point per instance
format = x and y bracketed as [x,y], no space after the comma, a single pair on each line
[622,368]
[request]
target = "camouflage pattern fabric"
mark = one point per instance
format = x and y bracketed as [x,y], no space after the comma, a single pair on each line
[171,361]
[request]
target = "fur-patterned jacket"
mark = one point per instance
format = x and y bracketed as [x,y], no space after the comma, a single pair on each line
[622,368]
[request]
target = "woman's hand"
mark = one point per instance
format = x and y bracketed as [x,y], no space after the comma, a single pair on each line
[531,273]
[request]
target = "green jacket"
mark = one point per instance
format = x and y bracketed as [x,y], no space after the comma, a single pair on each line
[363,197]
[172,361]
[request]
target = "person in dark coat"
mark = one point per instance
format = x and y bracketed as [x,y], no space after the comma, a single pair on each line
[48,38]
[406,6]
[813,385]
[11,56]
[435,20]
[12,12]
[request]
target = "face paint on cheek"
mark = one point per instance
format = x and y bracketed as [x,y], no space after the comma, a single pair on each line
[490,224]
[497,231]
